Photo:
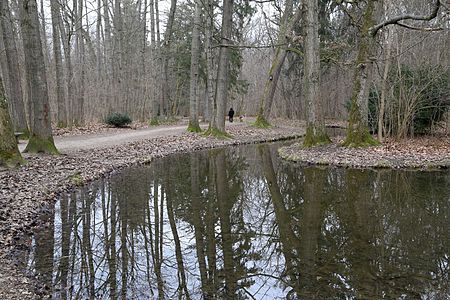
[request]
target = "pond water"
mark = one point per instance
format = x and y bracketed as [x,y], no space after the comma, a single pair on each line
[237,223]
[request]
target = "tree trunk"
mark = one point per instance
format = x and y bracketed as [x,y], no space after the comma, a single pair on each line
[9,152]
[195,57]
[209,97]
[315,130]
[223,68]
[154,64]
[60,95]
[41,139]
[165,95]
[79,116]
[287,25]
[12,70]
[358,131]
[66,34]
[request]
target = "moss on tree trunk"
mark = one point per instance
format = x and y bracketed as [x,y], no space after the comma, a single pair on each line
[9,152]
[215,132]
[194,127]
[261,121]
[37,144]
[358,132]
[315,136]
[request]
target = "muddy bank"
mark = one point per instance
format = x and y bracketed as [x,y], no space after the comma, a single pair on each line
[26,191]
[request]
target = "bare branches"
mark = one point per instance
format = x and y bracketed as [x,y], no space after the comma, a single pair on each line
[395,20]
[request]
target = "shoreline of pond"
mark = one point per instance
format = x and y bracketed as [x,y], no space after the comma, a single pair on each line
[424,153]
[26,192]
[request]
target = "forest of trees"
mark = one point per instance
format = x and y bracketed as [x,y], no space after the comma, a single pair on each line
[381,64]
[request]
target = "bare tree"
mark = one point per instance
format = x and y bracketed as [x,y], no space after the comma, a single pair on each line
[287,24]
[60,94]
[12,70]
[220,103]
[358,132]
[195,57]
[41,138]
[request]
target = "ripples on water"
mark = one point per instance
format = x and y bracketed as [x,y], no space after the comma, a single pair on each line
[238,224]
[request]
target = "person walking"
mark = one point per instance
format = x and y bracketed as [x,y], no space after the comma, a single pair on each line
[231,115]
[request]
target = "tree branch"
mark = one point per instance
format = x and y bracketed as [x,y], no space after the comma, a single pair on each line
[420,28]
[395,20]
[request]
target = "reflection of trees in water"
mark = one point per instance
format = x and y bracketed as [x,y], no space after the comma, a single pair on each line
[237,224]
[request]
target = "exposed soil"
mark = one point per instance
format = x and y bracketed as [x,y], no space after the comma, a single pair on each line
[25,192]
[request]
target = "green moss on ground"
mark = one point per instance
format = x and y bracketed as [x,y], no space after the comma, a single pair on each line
[40,145]
[154,122]
[261,122]
[76,179]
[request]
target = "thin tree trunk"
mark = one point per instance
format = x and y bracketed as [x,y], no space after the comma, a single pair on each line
[98,42]
[195,57]
[154,64]
[387,65]
[287,26]
[79,120]
[66,34]
[60,95]
[12,70]
[41,139]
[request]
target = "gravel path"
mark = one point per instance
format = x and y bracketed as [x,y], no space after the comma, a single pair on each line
[70,144]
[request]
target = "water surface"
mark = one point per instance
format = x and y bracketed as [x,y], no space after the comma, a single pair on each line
[237,223]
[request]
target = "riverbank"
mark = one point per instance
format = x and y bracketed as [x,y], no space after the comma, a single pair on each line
[422,153]
[26,191]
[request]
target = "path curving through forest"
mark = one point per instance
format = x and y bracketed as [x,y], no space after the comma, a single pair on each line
[66,144]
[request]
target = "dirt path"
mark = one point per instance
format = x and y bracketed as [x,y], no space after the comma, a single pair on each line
[69,144]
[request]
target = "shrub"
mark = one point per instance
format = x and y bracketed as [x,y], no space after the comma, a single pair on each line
[118,120]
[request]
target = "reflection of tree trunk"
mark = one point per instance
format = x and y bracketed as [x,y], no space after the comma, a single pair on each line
[359,214]
[210,220]
[225,225]
[289,241]
[45,243]
[66,226]
[124,250]
[156,250]
[113,255]
[198,225]
[87,262]
[179,256]
[149,241]
[311,220]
